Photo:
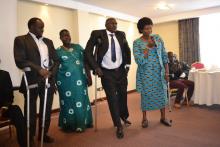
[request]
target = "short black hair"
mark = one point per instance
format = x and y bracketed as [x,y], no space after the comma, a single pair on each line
[170,54]
[107,20]
[32,21]
[143,22]
[62,31]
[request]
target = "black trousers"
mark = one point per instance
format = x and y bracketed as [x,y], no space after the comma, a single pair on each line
[15,114]
[34,93]
[115,84]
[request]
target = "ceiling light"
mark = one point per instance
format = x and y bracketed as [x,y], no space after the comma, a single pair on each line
[164,6]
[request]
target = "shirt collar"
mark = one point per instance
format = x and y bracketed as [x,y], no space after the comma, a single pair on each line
[34,36]
[110,33]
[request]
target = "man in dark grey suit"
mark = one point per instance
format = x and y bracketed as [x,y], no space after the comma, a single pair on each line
[112,65]
[34,51]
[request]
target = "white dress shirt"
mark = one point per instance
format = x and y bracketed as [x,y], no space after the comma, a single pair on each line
[42,49]
[107,59]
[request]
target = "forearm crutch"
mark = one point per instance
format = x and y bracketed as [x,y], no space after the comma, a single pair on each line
[44,111]
[27,69]
[96,113]
[47,85]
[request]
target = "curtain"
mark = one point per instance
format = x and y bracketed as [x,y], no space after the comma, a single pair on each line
[189,40]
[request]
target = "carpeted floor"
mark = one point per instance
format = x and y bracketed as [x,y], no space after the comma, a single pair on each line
[195,126]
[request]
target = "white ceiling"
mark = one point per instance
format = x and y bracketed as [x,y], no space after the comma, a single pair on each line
[139,8]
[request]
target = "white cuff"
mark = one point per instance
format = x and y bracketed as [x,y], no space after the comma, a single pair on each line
[127,65]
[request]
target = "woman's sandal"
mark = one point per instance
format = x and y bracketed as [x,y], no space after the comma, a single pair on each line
[166,122]
[144,123]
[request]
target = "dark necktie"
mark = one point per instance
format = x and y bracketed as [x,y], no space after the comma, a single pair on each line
[113,53]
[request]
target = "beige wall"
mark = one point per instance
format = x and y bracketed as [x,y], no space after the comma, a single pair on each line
[8,27]
[169,33]
[55,19]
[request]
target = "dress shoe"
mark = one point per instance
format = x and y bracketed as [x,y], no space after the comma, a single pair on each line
[166,122]
[47,139]
[126,122]
[119,133]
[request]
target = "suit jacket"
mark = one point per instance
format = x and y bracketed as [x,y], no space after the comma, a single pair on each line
[6,89]
[99,39]
[26,54]
[176,68]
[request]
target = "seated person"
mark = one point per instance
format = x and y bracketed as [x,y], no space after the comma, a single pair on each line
[7,110]
[179,78]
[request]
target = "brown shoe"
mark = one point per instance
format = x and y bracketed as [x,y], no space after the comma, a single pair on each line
[177,105]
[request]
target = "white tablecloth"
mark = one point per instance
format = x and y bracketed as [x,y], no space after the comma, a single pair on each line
[207,87]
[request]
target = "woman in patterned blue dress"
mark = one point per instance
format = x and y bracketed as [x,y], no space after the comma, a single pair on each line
[72,80]
[152,72]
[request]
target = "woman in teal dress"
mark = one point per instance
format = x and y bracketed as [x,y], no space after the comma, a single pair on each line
[72,80]
[152,72]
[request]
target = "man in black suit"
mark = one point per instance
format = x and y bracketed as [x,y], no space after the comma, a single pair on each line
[112,65]
[7,110]
[34,51]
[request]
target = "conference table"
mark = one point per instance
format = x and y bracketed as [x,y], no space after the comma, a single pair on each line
[207,86]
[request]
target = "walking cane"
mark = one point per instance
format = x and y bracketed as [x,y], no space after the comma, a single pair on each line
[96,57]
[169,99]
[28,87]
[96,113]
[28,104]
[47,85]
[169,95]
